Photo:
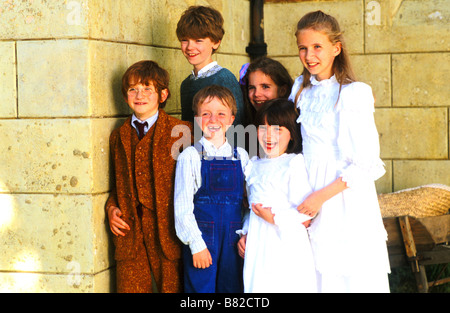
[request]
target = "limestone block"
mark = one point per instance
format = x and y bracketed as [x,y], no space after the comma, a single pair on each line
[165,23]
[232,62]
[107,64]
[292,64]
[8,80]
[52,78]
[62,283]
[236,14]
[280,23]
[421,79]
[44,19]
[99,152]
[55,155]
[70,78]
[413,133]
[396,25]
[123,21]
[55,234]
[413,173]
[375,70]
[384,183]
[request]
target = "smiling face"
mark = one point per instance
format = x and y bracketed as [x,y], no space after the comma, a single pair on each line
[144,100]
[261,88]
[273,139]
[317,52]
[198,52]
[214,118]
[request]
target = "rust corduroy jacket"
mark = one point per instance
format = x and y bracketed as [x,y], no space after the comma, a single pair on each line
[170,135]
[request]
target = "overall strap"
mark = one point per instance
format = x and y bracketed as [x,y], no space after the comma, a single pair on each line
[236,154]
[201,152]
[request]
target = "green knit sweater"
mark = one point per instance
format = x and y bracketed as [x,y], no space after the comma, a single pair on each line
[189,87]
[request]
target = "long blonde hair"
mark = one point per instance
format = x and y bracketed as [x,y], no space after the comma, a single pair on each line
[329,26]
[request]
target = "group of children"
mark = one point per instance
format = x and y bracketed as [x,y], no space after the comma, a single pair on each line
[301,216]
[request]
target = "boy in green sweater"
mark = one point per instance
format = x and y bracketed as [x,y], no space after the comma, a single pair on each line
[200,32]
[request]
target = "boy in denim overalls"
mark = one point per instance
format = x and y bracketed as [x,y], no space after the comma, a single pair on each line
[209,185]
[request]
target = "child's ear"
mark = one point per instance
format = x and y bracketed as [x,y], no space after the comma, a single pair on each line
[282,91]
[164,94]
[337,48]
[216,45]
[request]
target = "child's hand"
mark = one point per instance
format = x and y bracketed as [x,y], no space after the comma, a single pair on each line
[264,213]
[311,205]
[241,246]
[307,223]
[115,222]
[202,259]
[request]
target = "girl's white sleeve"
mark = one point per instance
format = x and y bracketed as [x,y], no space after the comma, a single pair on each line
[358,140]
[298,189]
[187,176]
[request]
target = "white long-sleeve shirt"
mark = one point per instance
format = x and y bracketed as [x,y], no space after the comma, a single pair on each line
[188,179]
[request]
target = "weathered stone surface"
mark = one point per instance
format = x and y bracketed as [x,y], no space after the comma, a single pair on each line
[53,234]
[8,98]
[413,133]
[55,155]
[396,25]
[52,78]
[375,70]
[122,21]
[280,24]
[384,183]
[408,174]
[421,79]
[43,19]
[107,64]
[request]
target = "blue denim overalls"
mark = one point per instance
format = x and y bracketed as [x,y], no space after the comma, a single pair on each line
[217,210]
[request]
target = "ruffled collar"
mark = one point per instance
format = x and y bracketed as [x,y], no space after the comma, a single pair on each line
[324,82]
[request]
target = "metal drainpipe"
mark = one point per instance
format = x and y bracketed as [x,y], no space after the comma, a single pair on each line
[257,47]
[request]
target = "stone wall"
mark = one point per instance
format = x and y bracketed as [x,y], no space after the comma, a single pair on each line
[60,73]
[401,48]
[60,78]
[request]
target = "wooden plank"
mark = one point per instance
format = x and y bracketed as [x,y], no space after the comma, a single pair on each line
[394,233]
[439,255]
[408,238]
[438,227]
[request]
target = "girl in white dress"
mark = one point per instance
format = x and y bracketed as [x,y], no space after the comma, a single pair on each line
[341,151]
[278,255]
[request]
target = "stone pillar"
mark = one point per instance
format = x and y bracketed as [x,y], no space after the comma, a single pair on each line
[60,76]
[60,101]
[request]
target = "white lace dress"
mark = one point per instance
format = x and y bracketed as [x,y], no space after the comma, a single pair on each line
[278,258]
[340,140]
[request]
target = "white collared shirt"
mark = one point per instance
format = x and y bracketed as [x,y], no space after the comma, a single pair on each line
[204,71]
[150,121]
[187,182]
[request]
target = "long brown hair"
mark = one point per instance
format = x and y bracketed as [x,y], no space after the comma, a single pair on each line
[329,26]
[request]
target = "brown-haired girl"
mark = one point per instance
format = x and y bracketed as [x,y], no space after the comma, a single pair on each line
[341,151]
[275,245]
[265,79]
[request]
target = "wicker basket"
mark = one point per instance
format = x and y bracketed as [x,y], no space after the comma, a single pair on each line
[423,201]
